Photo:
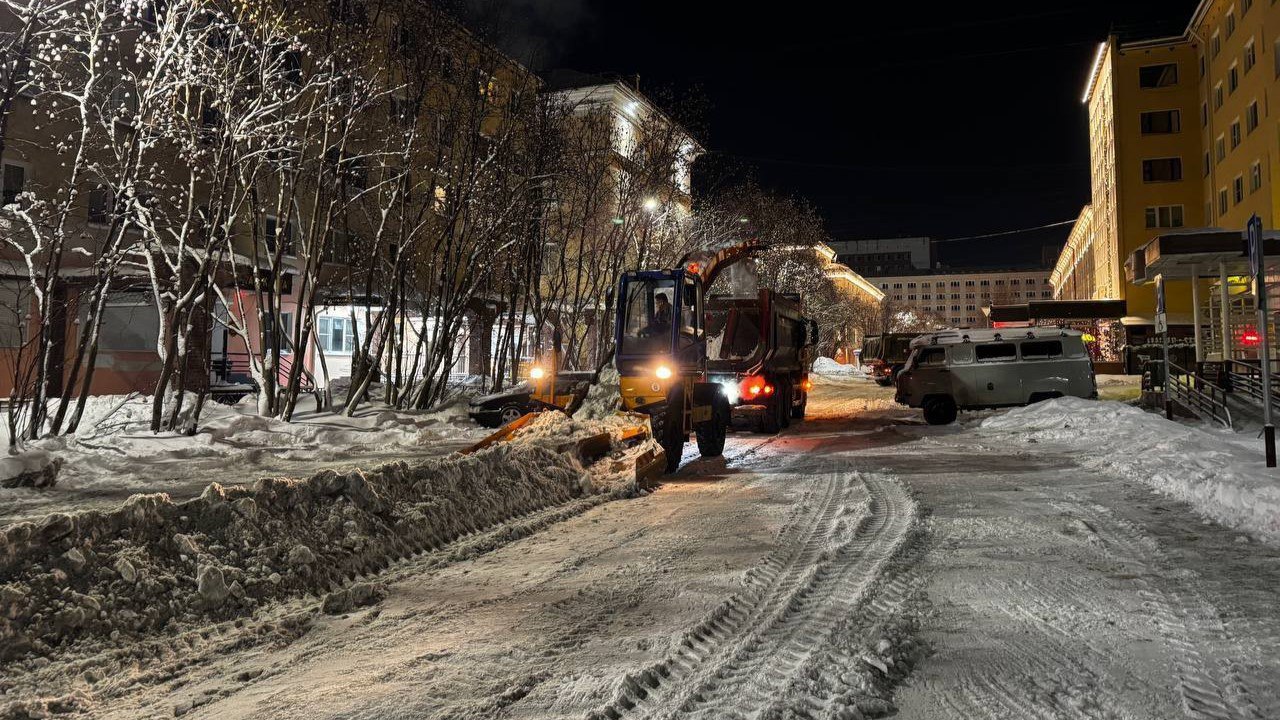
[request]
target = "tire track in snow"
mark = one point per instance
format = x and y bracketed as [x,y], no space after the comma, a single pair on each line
[753,645]
[1208,655]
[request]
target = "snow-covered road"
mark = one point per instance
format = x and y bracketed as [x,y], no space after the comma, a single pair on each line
[858,563]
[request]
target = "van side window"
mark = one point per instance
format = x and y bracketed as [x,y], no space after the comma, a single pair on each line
[1075,347]
[995,352]
[961,354]
[932,357]
[1041,349]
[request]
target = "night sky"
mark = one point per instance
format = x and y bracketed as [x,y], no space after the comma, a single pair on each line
[896,120]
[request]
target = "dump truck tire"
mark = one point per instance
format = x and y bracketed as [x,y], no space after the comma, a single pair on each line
[798,410]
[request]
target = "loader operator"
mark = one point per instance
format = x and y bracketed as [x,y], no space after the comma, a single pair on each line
[660,322]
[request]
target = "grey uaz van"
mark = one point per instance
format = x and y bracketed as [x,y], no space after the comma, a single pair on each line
[953,370]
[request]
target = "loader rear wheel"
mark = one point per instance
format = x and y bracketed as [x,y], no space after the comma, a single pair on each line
[671,435]
[711,434]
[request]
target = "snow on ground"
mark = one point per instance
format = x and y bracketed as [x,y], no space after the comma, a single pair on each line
[113,453]
[94,577]
[1219,473]
[827,366]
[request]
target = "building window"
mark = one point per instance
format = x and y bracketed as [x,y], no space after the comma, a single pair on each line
[1204,114]
[985,283]
[1251,116]
[1244,7]
[911,297]
[1215,45]
[1162,170]
[955,283]
[1203,66]
[1255,177]
[926,296]
[1217,96]
[1161,122]
[1250,56]
[1221,146]
[968,283]
[1238,188]
[1165,216]
[273,233]
[1231,21]
[99,206]
[129,323]
[1235,133]
[335,334]
[1223,202]
[1233,78]
[15,178]
[1206,164]
[1158,76]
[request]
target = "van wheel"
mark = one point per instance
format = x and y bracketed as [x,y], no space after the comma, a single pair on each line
[940,411]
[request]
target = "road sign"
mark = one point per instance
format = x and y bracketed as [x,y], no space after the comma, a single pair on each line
[1162,319]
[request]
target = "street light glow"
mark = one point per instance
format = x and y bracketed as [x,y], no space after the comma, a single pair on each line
[651,204]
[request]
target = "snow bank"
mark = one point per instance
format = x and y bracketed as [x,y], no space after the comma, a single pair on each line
[1219,473]
[151,562]
[827,366]
[113,449]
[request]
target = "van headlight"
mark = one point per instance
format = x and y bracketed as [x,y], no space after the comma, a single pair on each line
[663,372]
[537,373]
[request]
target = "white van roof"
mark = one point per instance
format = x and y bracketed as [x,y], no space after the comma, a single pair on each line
[985,335]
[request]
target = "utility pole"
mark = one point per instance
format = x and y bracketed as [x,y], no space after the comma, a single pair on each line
[1258,265]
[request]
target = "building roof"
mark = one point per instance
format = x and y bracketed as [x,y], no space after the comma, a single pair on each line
[962,271]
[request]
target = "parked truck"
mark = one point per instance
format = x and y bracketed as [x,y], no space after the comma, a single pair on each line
[760,350]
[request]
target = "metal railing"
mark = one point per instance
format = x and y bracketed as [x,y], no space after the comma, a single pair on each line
[1206,400]
[1246,378]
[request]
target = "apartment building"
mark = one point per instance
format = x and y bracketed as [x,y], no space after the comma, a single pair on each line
[1181,136]
[886,256]
[955,297]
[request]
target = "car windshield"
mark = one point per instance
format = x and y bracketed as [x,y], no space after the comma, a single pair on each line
[648,316]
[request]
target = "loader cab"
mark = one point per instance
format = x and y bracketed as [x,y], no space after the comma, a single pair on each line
[660,318]
[660,333]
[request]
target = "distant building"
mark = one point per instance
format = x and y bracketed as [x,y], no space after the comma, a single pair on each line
[955,297]
[886,256]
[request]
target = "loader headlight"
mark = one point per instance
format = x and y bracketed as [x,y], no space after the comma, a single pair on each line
[663,372]
[537,373]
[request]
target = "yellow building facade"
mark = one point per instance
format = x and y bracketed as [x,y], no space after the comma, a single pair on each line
[1181,135]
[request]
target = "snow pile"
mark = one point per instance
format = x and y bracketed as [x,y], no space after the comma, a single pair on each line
[114,451]
[32,468]
[827,366]
[604,398]
[154,564]
[1221,474]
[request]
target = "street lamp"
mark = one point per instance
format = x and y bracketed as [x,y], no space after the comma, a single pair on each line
[651,204]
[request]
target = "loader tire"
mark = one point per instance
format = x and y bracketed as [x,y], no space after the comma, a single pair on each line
[671,435]
[712,433]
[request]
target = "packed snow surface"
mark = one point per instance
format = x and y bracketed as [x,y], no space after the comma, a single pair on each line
[1220,473]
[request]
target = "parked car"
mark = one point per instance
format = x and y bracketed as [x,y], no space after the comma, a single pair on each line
[885,355]
[501,408]
[953,370]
